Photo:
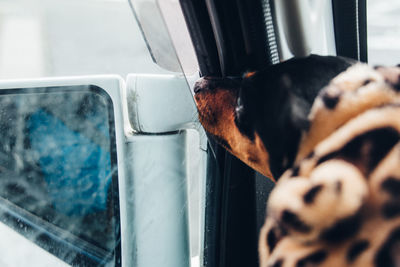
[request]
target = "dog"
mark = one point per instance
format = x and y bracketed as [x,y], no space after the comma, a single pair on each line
[327,130]
[259,117]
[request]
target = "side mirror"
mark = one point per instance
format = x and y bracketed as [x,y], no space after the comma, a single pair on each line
[59,169]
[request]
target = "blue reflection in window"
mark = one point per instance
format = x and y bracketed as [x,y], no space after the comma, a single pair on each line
[77,171]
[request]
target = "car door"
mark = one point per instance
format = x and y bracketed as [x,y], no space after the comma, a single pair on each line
[101,153]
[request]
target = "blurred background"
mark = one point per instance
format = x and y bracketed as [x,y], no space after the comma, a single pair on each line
[42,38]
[383,32]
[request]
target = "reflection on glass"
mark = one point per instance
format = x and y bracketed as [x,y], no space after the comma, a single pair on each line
[58,180]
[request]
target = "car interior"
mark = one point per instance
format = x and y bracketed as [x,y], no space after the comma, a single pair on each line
[230,39]
[108,167]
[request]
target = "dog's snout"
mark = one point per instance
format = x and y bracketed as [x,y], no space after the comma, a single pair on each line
[212,82]
[197,87]
[201,84]
[209,78]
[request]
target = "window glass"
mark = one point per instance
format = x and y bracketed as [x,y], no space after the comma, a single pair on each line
[179,34]
[383,32]
[167,37]
[42,38]
[58,174]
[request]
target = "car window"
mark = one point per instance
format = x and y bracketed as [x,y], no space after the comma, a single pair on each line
[57,171]
[47,38]
[178,32]
[58,174]
[383,32]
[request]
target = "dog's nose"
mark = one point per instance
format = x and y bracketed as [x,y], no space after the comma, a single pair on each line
[197,88]
[209,78]
[211,82]
[201,84]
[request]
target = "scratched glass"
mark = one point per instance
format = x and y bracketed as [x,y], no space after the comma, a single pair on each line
[58,173]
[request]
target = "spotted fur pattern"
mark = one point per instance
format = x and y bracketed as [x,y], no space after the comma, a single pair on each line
[339,205]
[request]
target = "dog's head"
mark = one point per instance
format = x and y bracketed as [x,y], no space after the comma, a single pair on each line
[260,117]
[221,114]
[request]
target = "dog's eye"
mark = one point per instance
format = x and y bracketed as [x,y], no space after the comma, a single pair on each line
[239,101]
[242,121]
[239,108]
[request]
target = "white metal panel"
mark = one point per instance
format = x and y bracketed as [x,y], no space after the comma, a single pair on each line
[160,103]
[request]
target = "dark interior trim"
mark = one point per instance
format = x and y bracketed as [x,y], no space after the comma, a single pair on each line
[230,37]
[201,33]
[350,20]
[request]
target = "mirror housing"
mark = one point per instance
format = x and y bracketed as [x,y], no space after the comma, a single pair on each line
[160,104]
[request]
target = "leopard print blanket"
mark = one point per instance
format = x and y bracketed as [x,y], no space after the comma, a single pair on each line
[340,203]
